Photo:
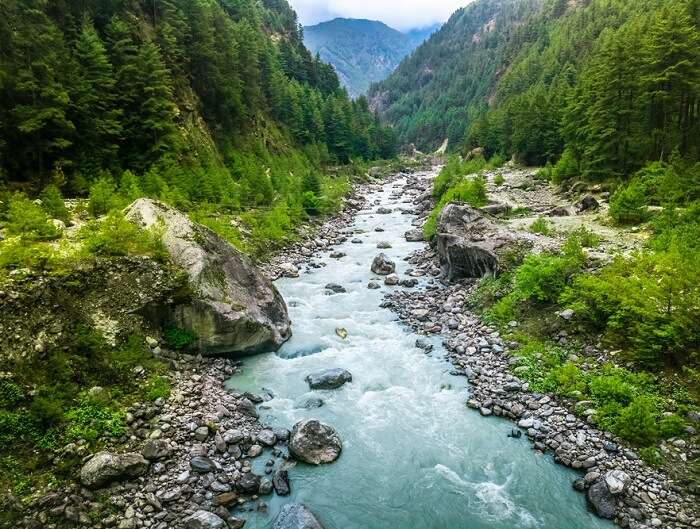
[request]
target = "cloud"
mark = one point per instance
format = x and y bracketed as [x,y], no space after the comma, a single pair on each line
[399,14]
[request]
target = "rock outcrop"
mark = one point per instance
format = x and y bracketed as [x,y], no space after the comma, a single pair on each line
[470,243]
[315,443]
[234,308]
[105,467]
[296,516]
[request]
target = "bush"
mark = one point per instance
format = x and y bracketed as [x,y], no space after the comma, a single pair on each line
[28,220]
[52,202]
[10,394]
[637,422]
[471,191]
[628,204]
[103,196]
[586,238]
[496,161]
[156,387]
[178,338]
[542,226]
[92,419]
[499,180]
[542,278]
[566,168]
[115,236]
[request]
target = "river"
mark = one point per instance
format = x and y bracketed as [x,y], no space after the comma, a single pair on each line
[414,456]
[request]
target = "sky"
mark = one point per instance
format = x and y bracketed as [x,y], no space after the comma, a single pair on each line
[399,14]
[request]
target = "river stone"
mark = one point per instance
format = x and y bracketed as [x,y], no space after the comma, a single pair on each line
[296,516]
[249,482]
[415,235]
[204,520]
[234,309]
[310,403]
[617,481]
[314,442]
[382,265]
[329,379]
[105,467]
[280,481]
[156,449]
[391,280]
[601,500]
[267,437]
[202,464]
[336,288]
[383,211]
[470,244]
[383,245]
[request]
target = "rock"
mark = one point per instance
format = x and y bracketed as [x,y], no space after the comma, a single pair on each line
[341,333]
[226,499]
[289,270]
[234,307]
[383,266]
[567,314]
[415,235]
[587,203]
[391,280]
[267,437]
[265,486]
[496,209]
[201,433]
[469,243]
[204,520]
[156,449]
[601,500]
[383,211]
[249,483]
[336,288]
[314,442]
[202,464]
[617,481]
[558,211]
[105,467]
[310,403]
[372,285]
[383,245]
[329,379]
[280,481]
[296,516]
[246,407]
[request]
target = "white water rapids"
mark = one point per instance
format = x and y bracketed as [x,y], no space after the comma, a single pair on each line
[414,456]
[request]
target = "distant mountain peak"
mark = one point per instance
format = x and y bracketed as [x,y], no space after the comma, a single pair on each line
[362,51]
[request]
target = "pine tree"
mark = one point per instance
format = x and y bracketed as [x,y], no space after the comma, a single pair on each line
[94,100]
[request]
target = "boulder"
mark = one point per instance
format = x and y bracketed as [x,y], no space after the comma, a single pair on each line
[249,483]
[296,516]
[587,203]
[601,500]
[382,265]
[280,481]
[470,243]
[329,379]
[496,208]
[335,288]
[233,308]
[204,520]
[558,211]
[391,280]
[314,442]
[106,467]
[156,449]
[415,235]
[202,464]
[384,211]
[617,481]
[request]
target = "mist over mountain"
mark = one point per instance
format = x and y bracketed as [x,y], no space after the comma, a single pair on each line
[362,51]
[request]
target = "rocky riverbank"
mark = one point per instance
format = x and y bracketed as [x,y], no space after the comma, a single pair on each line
[617,483]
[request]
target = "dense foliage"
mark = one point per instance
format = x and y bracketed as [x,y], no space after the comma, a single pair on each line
[192,101]
[600,87]
[361,51]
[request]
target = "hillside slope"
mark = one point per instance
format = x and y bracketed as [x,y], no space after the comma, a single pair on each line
[361,51]
[616,82]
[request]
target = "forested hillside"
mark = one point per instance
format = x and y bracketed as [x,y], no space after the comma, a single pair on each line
[610,84]
[361,51]
[192,101]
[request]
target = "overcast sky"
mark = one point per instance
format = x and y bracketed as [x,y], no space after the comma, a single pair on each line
[399,14]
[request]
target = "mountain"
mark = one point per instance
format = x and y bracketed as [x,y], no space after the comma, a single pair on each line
[361,51]
[599,86]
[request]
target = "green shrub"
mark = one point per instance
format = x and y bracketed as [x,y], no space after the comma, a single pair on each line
[103,196]
[17,253]
[499,180]
[628,204]
[567,379]
[52,202]
[542,278]
[453,171]
[671,426]
[651,456]
[566,168]
[115,236]
[92,419]
[637,422]
[156,387]
[542,226]
[471,191]
[496,161]
[311,203]
[177,338]
[10,394]
[28,220]
[586,238]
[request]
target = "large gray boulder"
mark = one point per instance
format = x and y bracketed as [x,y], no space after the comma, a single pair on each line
[296,516]
[234,308]
[329,379]
[601,500]
[315,443]
[382,265]
[204,520]
[470,243]
[105,467]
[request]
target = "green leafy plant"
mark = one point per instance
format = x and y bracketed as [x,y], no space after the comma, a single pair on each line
[542,226]
[178,338]
[28,220]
